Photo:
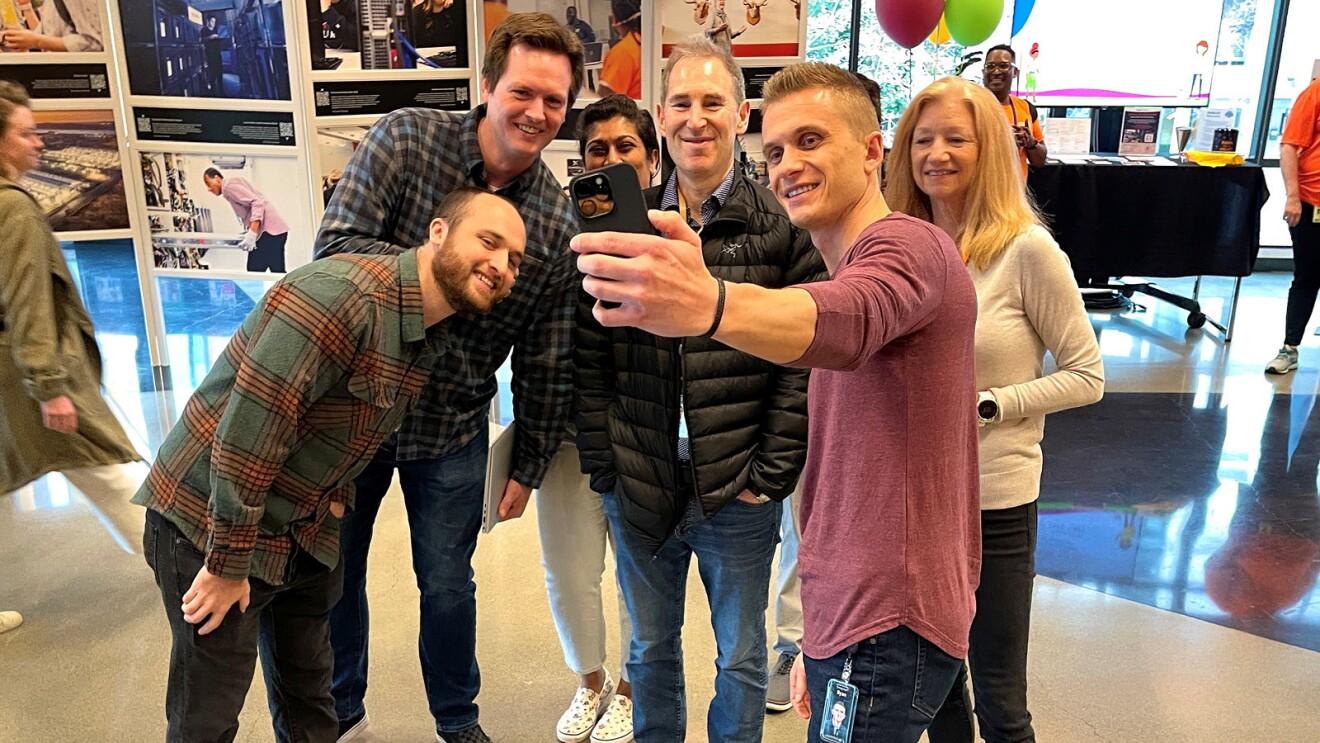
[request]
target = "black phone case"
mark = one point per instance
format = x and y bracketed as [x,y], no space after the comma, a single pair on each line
[629,213]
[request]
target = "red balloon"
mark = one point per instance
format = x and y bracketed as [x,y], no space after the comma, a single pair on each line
[909,22]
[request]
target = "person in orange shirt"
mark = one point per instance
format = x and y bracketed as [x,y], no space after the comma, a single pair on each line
[622,69]
[1300,161]
[997,75]
[493,13]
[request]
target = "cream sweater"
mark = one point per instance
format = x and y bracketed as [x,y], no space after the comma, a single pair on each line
[1028,303]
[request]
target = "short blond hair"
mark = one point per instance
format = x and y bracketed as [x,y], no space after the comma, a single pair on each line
[853,104]
[998,207]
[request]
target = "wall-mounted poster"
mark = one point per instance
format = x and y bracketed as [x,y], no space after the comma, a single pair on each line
[388,34]
[195,48]
[51,26]
[223,213]
[752,28]
[79,182]
[610,32]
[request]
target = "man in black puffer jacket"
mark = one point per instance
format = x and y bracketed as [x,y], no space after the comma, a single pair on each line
[694,445]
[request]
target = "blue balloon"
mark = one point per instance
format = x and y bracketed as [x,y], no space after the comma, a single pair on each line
[1021,11]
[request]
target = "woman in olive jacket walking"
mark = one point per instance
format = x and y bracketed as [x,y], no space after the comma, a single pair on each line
[52,415]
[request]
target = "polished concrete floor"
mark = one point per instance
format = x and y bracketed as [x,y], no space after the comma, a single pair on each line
[1177,554]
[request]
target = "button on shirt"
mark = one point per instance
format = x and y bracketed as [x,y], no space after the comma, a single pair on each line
[320,372]
[709,208]
[406,164]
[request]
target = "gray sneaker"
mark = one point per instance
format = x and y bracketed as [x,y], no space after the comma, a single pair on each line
[777,698]
[1285,362]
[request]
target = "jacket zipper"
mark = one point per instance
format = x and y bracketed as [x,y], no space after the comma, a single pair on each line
[682,414]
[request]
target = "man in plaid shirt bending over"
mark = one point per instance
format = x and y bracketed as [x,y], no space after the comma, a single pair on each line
[246,495]
[407,162]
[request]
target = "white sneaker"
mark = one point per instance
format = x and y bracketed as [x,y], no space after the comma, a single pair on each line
[615,725]
[9,620]
[580,718]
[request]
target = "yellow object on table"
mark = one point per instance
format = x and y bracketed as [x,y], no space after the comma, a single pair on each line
[1214,159]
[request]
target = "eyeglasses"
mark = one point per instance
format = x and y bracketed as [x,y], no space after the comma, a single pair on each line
[998,66]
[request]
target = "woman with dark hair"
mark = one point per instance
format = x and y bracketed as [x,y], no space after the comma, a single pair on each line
[614,130]
[955,165]
[611,130]
[622,69]
[53,416]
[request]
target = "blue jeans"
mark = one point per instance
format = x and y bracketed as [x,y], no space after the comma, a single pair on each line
[901,678]
[734,553]
[443,498]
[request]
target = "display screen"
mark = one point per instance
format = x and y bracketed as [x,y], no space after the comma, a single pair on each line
[1117,53]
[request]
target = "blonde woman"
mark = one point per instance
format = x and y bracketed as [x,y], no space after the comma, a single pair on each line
[954,164]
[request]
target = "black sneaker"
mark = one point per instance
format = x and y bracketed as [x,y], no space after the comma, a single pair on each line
[353,728]
[777,697]
[473,734]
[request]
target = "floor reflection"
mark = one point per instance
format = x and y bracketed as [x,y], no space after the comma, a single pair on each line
[1176,502]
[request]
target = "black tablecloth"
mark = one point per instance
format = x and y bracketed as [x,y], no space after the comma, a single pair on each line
[1144,220]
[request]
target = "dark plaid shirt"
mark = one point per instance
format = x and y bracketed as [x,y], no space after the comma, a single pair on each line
[406,164]
[321,371]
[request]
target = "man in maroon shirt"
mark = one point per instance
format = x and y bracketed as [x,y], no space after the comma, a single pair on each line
[891,543]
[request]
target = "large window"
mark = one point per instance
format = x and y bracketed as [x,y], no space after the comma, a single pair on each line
[1297,58]
[899,73]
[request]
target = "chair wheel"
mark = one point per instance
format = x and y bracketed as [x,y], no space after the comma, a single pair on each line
[1195,319]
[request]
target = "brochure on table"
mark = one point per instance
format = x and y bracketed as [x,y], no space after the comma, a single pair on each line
[1140,132]
[1207,121]
[1064,136]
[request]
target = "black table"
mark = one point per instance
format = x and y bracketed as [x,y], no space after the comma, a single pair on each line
[1146,220]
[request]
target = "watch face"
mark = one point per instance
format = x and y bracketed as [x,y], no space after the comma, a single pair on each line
[987,409]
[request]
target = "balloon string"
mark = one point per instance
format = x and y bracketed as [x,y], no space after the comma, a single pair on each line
[909,74]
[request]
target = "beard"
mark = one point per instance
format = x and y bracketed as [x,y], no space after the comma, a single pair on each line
[454,277]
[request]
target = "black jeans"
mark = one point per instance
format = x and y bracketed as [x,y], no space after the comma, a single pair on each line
[901,678]
[269,255]
[210,674]
[1000,631]
[1306,275]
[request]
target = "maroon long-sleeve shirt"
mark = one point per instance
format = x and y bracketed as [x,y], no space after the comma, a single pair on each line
[890,510]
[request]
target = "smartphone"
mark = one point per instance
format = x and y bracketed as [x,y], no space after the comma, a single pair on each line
[610,200]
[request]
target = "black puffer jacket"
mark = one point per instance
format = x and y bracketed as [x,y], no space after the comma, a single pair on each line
[747,418]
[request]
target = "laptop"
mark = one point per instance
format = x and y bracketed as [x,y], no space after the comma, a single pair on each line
[499,462]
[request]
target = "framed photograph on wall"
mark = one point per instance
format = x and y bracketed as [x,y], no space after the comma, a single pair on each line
[353,35]
[59,26]
[223,212]
[751,28]
[79,182]
[194,49]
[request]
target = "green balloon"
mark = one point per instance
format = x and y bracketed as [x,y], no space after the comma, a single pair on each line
[972,21]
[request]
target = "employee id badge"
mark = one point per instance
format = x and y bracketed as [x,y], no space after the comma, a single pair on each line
[840,706]
[1315,215]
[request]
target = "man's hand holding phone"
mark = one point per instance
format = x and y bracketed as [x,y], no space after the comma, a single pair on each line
[660,282]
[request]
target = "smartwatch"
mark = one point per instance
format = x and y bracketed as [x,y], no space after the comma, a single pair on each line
[987,408]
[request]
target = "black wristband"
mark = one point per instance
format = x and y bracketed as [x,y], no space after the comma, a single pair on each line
[719,311]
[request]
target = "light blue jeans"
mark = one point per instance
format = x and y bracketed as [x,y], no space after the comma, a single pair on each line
[571,519]
[734,552]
